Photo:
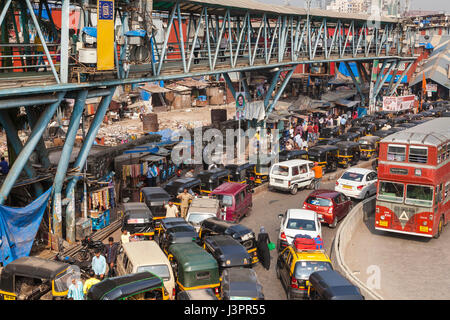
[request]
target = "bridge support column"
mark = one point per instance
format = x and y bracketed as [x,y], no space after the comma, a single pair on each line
[80,162]
[30,145]
[355,81]
[63,163]
[41,150]
[280,91]
[16,144]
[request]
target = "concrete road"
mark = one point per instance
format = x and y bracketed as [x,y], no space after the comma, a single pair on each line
[400,266]
[267,205]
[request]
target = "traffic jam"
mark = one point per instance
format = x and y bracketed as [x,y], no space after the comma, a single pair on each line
[189,240]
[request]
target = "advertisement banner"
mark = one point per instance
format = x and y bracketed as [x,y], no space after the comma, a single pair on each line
[105,35]
[395,104]
[431,87]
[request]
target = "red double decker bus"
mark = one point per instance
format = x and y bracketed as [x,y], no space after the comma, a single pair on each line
[414,180]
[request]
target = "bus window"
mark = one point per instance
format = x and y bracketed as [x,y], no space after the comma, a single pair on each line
[419,195]
[419,154]
[391,191]
[396,153]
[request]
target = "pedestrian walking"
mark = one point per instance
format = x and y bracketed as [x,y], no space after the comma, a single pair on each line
[317,175]
[316,131]
[263,249]
[310,133]
[99,264]
[298,141]
[171,210]
[110,252]
[75,289]
[185,197]
[90,282]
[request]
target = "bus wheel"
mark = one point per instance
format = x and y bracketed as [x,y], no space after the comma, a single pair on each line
[440,226]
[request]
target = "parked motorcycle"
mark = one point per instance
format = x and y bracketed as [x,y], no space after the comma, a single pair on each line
[89,245]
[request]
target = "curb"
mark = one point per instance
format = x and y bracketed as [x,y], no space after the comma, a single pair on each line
[341,240]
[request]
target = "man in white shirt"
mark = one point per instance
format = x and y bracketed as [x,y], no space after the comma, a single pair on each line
[171,210]
[298,140]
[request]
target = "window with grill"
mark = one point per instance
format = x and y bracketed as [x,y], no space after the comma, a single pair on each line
[396,153]
[418,154]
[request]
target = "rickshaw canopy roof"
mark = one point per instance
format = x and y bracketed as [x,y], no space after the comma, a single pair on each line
[332,286]
[124,286]
[369,139]
[136,207]
[35,267]
[227,248]
[225,227]
[191,257]
[216,173]
[153,194]
[241,282]
[322,149]
[329,141]
[239,167]
[344,145]
[176,186]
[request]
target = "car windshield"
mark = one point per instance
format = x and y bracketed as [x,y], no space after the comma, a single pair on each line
[419,195]
[303,269]
[196,218]
[226,200]
[352,176]
[161,270]
[280,170]
[63,280]
[301,224]
[391,191]
[321,202]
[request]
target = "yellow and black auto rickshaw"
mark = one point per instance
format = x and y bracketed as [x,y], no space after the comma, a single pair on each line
[329,132]
[262,167]
[369,147]
[348,153]
[241,173]
[136,286]
[330,285]
[138,220]
[34,278]
[156,198]
[326,156]
[211,179]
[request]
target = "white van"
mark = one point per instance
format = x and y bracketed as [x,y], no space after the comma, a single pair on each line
[291,175]
[138,256]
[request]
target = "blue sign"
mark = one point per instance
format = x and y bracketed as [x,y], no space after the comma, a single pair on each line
[106,10]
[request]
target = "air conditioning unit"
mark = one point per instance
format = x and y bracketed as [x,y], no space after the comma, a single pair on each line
[87,55]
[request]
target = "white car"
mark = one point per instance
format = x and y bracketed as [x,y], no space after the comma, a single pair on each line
[357,183]
[298,221]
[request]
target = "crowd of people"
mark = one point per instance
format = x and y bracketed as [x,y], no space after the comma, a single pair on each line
[303,133]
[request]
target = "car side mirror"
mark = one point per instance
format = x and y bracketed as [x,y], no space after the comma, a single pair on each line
[280,216]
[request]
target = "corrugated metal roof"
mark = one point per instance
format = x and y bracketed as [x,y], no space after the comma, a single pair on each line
[194,5]
[436,67]
[431,133]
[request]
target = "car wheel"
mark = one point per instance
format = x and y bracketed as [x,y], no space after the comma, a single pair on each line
[294,190]
[440,227]
[312,185]
[334,223]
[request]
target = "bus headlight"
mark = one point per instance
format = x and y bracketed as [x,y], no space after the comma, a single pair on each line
[425,223]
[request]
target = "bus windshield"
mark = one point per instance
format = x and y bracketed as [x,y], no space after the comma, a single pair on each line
[419,195]
[391,191]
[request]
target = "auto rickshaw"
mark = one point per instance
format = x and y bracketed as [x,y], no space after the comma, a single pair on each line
[326,156]
[227,251]
[383,133]
[175,187]
[240,284]
[380,123]
[286,155]
[239,232]
[328,141]
[138,220]
[197,294]
[156,198]
[194,267]
[361,131]
[176,230]
[349,153]
[370,127]
[241,173]
[330,285]
[34,278]
[262,167]
[397,120]
[397,129]
[349,136]
[406,125]
[369,147]
[329,132]
[136,286]
[211,179]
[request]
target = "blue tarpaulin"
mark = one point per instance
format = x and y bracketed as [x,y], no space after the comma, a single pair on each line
[343,69]
[18,228]
[90,31]
[404,79]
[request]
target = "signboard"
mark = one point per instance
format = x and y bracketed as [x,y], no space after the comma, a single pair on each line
[431,87]
[240,105]
[394,104]
[105,35]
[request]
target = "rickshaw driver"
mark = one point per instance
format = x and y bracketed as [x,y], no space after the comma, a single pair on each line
[317,175]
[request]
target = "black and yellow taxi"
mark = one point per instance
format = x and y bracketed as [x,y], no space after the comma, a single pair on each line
[294,266]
